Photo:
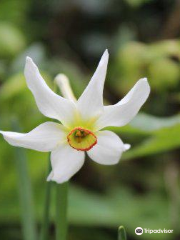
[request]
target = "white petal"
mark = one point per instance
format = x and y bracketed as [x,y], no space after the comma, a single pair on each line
[108,149]
[44,138]
[124,111]
[63,83]
[65,161]
[90,104]
[49,103]
[127,146]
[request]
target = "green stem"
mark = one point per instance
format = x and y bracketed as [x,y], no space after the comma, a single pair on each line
[25,192]
[61,211]
[121,233]
[46,216]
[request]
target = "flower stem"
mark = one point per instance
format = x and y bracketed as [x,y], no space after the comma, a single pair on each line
[46,216]
[61,210]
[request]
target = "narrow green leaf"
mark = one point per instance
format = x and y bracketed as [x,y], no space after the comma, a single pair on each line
[46,216]
[164,140]
[25,192]
[121,233]
[146,124]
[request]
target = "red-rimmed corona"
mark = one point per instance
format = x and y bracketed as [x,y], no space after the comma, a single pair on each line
[81,139]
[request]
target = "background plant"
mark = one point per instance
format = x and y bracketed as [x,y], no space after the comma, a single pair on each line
[69,36]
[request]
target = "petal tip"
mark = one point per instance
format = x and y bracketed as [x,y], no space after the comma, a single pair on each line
[104,58]
[145,80]
[3,133]
[127,146]
[29,65]
[106,51]
[28,59]
[30,62]
[50,176]
[106,54]
[61,78]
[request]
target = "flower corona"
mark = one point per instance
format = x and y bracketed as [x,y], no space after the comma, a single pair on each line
[81,139]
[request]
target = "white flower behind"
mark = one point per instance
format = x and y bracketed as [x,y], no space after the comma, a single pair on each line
[81,122]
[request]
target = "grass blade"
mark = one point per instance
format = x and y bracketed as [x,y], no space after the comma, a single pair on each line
[25,192]
[121,233]
[46,217]
[61,211]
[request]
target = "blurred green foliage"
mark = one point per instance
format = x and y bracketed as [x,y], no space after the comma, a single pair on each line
[158,61]
[69,37]
[12,40]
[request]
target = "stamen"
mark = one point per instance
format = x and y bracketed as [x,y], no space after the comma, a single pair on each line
[81,139]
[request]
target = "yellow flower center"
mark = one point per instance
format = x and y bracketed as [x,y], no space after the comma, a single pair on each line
[81,139]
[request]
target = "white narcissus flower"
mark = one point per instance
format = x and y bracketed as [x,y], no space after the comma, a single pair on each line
[81,122]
